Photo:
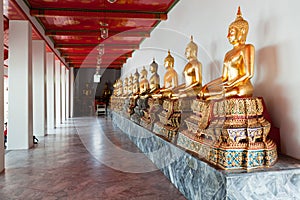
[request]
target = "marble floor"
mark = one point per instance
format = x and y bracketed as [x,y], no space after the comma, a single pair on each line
[85,158]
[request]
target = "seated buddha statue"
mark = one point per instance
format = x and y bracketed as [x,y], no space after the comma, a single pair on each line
[170,78]
[129,85]
[154,81]
[169,115]
[125,87]
[142,100]
[238,66]
[135,92]
[144,83]
[231,119]
[136,83]
[151,106]
[119,88]
[192,72]
[127,97]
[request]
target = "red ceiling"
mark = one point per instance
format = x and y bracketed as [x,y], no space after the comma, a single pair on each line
[73,26]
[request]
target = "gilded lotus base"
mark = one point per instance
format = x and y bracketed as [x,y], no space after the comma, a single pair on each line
[242,156]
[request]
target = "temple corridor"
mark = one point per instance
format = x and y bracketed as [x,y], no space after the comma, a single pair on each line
[84,158]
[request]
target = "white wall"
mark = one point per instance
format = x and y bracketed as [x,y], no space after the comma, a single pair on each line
[274,31]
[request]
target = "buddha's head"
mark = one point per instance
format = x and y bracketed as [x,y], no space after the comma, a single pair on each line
[169,60]
[191,49]
[120,83]
[115,84]
[238,29]
[136,76]
[144,73]
[130,79]
[153,66]
[125,81]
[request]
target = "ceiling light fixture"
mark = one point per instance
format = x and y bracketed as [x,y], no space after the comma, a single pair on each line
[112,1]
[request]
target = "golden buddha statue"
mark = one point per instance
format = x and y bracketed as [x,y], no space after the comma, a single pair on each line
[192,72]
[136,83]
[129,85]
[228,126]
[151,106]
[135,93]
[238,67]
[154,80]
[125,87]
[144,83]
[170,78]
[169,117]
[119,87]
[142,98]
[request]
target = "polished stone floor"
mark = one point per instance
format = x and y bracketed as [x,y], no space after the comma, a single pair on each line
[86,158]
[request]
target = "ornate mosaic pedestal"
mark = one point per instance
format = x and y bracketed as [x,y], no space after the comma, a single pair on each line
[169,120]
[186,110]
[231,133]
[150,113]
[130,106]
[141,105]
[196,179]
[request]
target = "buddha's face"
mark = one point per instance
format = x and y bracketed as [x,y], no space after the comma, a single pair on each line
[130,81]
[235,35]
[152,69]
[168,64]
[188,52]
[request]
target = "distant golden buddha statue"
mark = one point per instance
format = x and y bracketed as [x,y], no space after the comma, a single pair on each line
[125,87]
[129,86]
[170,78]
[154,80]
[135,83]
[144,83]
[87,91]
[238,66]
[192,72]
[115,89]
[119,87]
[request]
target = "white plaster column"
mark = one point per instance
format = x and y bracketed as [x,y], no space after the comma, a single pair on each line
[71,92]
[67,93]
[57,93]
[39,85]
[50,59]
[1,88]
[63,93]
[20,85]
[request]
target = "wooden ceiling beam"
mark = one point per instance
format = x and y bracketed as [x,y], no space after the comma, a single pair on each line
[94,63]
[106,55]
[102,67]
[95,33]
[94,57]
[101,14]
[92,46]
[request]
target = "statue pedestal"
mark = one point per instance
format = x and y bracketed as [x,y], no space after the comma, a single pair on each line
[197,179]
[150,113]
[141,105]
[186,110]
[130,105]
[169,120]
[231,133]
